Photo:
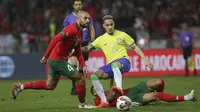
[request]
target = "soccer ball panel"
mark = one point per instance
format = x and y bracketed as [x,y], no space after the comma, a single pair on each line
[123,103]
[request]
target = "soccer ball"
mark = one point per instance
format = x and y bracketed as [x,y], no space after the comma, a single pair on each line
[123,103]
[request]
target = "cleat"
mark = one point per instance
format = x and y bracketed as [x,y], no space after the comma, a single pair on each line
[103,105]
[192,96]
[16,90]
[118,90]
[86,105]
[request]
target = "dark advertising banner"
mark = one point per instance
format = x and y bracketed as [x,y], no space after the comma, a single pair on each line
[21,66]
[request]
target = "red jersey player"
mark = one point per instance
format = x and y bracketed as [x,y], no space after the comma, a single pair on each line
[144,93]
[57,55]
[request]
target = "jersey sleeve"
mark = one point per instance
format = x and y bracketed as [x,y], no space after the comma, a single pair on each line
[53,42]
[96,43]
[129,41]
[67,32]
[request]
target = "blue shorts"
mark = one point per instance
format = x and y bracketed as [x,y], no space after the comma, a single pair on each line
[126,65]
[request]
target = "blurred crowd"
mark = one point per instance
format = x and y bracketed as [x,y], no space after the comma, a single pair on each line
[35,21]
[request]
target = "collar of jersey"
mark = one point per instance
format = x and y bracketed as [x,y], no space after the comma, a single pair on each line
[112,34]
[74,13]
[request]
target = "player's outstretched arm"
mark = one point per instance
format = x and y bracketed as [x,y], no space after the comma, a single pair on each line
[80,58]
[88,48]
[53,42]
[92,33]
[141,54]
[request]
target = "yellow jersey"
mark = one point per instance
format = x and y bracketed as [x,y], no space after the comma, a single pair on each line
[114,46]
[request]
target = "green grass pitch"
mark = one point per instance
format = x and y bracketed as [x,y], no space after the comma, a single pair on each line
[60,99]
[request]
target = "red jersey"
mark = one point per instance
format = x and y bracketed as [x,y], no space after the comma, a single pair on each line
[62,44]
[97,100]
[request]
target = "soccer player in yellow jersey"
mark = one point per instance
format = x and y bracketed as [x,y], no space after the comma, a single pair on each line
[114,45]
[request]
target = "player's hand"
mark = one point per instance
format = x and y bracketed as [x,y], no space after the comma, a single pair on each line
[149,64]
[43,60]
[85,71]
[84,49]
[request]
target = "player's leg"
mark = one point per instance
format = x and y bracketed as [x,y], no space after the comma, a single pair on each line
[145,98]
[80,86]
[137,92]
[74,63]
[119,67]
[100,74]
[149,97]
[81,89]
[153,96]
[104,72]
[50,84]
[186,56]
[155,85]
[72,73]
[57,68]
[116,66]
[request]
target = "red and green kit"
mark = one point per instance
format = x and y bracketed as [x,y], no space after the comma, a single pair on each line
[60,48]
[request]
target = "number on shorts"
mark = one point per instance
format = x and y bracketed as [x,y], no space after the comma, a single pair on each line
[70,68]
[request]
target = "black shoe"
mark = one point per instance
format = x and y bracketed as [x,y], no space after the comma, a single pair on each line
[73,91]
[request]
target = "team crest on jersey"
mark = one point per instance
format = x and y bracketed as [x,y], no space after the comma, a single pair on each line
[119,40]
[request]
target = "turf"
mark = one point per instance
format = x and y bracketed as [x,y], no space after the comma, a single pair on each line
[60,99]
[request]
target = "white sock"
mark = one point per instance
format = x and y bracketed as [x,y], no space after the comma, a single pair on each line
[186,97]
[99,90]
[117,77]
[22,87]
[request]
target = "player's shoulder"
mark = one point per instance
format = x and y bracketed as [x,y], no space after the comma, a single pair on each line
[101,36]
[118,32]
[70,15]
[71,27]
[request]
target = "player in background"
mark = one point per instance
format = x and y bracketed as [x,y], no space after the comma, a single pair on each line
[57,55]
[114,45]
[88,35]
[144,93]
[186,37]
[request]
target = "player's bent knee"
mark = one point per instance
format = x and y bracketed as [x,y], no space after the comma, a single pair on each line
[101,74]
[94,77]
[76,76]
[158,82]
[114,65]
